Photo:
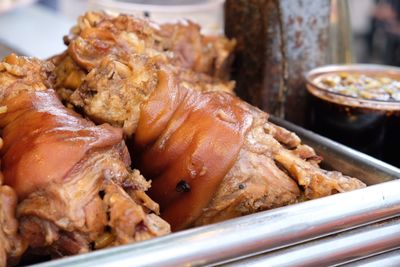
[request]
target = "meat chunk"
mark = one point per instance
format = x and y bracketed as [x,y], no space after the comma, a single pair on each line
[73,180]
[181,44]
[97,35]
[12,245]
[210,155]
[111,93]
[267,174]
[18,74]
[261,162]
[92,209]
[210,55]
[114,91]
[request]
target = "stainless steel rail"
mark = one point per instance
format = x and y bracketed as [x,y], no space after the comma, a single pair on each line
[387,259]
[345,247]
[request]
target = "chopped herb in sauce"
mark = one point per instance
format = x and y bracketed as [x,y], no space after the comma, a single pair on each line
[360,86]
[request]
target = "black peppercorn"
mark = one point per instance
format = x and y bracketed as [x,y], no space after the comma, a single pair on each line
[182,186]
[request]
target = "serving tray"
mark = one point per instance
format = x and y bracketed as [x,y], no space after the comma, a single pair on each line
[333,230]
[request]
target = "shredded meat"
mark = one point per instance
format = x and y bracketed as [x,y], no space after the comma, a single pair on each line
[75,187]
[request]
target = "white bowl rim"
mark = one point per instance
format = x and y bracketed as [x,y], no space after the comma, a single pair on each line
[159,8]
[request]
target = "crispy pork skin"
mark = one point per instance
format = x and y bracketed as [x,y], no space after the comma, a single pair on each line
[75,187]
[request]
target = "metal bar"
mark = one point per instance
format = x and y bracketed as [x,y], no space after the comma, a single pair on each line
[345,247]
[342,158]
[388,259]
[253,234]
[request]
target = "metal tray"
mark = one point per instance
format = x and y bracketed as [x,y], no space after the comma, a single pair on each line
[305,233]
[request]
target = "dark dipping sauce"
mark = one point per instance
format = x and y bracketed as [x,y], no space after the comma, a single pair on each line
[358,105]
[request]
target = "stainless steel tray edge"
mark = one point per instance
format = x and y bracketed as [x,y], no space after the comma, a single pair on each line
[349,246]
[386,259]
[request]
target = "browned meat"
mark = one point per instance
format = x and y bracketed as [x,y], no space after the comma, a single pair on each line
[182,43]
[11,244]
[272,171]
[210,155]
[204,58]
[114,91]
[72,178]
[181,129]
[205,54]
[69,75]
[91,210]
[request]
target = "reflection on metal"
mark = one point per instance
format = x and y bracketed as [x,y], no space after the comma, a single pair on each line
[276,229]
[388,259]
[346,247]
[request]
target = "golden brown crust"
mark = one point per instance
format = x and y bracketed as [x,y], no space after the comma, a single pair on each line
[165,129]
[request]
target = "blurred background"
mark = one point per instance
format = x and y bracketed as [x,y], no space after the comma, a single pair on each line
[376,31]
[36,27]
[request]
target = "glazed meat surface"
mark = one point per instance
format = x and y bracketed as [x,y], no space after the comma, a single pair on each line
[210,155]
[75,187]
